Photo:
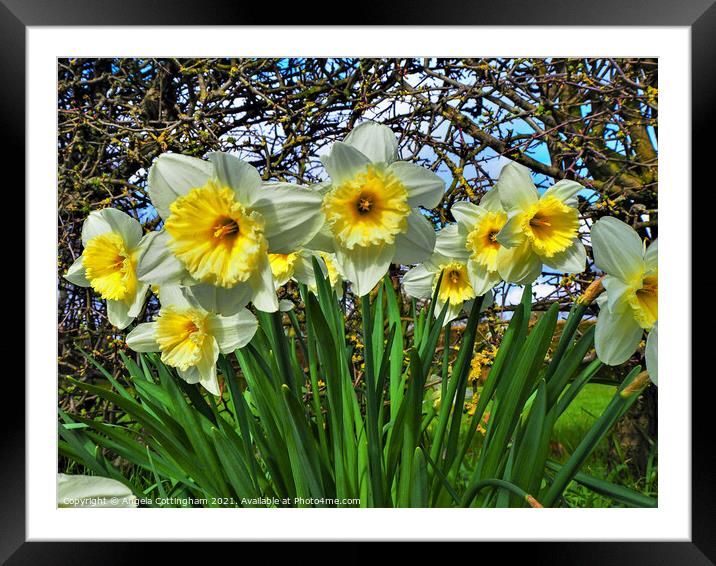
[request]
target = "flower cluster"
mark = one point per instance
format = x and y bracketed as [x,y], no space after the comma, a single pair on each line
[229,239]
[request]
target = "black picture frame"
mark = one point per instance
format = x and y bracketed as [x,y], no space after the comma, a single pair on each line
[699,15]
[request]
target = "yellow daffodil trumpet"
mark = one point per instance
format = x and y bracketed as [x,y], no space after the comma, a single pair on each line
[482,239]
[455,287]
[216,238]
[368,209]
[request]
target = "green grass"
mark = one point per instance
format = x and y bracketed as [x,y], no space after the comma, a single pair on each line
[581,414]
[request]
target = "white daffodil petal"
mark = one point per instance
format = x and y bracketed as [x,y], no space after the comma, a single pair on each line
[263,290]
[303,269]
[233,332]
[284,305]
[343,162]
[519,265]
[142,338]
[191,375]
[207,366]
[565,190]
[112,220]
[451,242]
[491,201]
[94,225]
[376,141]
[135,305]
[515,187]
[156,264]
[651,258]
[652,354]
[571,260]
[176,296]
[453,312]
[617,336]
[487,301]
[93,491]
[467,214]
[118,314]
[172,175]
[76,274]
[417,243]
[292,215]
[236,174]
[418,282]
[480,278]
[365,266]
[424,187]
[511,234]
[220,300]
[323,240]
[437,260]
[123,224]
[617,248]
[617,293]
[322,188]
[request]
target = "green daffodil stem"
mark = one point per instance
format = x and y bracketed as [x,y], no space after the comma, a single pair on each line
[446,362]
[373,428]
[566,339]
[282,355]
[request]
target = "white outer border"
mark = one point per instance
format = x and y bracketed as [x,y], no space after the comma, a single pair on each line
[671,521]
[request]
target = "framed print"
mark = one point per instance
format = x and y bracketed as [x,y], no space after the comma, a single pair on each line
[392,281]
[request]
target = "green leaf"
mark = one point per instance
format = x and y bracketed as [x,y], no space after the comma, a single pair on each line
[419,482]
[618,493]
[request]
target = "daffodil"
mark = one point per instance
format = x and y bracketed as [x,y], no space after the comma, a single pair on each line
[220,224]
[473,240]
[112,242]
[190,338]
[630,305]
[370,207]
[540,229]
[456,287]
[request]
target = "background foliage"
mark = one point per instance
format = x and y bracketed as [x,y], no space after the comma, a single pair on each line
[594,121]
